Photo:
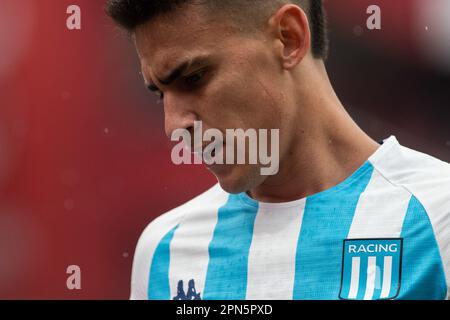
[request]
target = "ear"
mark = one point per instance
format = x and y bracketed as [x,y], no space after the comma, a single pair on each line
[291,28]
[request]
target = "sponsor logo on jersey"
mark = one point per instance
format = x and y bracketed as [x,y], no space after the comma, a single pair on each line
[371,269]
[191,291]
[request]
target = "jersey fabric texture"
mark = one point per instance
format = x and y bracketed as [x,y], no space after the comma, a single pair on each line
[383,233]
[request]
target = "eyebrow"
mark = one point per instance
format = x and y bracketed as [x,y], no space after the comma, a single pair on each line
[177,72]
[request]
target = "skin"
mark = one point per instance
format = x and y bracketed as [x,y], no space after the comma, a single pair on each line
[262,80]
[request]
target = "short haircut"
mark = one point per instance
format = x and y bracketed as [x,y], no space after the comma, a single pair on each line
[130,14]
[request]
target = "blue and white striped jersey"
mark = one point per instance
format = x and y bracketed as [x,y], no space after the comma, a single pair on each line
[383,233]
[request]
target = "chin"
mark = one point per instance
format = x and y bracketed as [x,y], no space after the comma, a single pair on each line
[237,180]
[232,188]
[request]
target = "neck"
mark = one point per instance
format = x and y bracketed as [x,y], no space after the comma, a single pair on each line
[323,151]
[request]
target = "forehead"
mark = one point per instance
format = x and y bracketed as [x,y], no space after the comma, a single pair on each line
[182,34]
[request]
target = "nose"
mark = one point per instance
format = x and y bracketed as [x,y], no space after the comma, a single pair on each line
[178,115]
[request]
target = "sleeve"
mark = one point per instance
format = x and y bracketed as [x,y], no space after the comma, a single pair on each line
[145,249]
[428,179]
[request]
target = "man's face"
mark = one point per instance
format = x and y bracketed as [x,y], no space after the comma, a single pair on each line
[227,80]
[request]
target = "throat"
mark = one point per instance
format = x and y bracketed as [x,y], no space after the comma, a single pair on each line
[317,168]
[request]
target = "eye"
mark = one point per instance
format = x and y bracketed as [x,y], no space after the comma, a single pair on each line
[195,78]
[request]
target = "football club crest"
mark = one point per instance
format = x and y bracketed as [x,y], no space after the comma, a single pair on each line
[371,269]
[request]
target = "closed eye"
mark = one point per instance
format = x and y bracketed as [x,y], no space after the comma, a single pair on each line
[195,78]
[191,81]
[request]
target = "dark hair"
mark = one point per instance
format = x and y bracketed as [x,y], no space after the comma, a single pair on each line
[130,14]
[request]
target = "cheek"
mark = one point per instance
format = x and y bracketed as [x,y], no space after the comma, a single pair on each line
[242,95]
[240,104]
[224,104]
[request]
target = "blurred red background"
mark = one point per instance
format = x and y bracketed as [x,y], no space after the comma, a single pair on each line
[85,164]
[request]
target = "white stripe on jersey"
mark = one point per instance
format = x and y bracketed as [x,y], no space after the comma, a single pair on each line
[192,239]
[387,274]
[354,281]
[371,274]
[271,260]
[380,211]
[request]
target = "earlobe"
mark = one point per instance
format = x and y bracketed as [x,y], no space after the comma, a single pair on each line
[293,33]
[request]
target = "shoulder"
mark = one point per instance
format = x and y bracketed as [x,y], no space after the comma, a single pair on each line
[427,179]
[166,222]
[164,227]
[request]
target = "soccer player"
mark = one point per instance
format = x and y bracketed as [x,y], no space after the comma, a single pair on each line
[344,217]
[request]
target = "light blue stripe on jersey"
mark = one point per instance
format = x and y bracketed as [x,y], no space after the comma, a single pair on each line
[226,278]
[158,287]
[326,223]
[422,273]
